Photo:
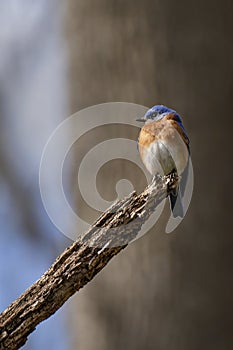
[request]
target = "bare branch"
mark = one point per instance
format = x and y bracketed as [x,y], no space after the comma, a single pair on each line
[80,262]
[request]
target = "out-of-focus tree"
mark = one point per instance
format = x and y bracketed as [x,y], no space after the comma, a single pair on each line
[173,291]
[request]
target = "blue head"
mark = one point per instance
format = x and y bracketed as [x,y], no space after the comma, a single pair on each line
[159,112]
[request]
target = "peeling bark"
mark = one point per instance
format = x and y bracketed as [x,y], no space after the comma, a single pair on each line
[80,262]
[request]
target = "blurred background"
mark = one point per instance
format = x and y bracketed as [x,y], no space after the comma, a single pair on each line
[164,291]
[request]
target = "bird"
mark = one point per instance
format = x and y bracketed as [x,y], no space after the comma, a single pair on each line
[164,148]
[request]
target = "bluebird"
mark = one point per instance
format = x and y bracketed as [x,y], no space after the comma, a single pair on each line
[164,149]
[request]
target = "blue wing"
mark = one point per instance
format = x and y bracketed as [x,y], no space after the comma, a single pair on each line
[177,194]
[176,203]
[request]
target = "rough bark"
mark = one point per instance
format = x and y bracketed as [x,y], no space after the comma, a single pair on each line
[80,262]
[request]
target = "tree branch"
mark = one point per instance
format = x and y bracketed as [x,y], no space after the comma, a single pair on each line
[80,262]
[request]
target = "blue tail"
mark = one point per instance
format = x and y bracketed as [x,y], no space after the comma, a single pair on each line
[176,203]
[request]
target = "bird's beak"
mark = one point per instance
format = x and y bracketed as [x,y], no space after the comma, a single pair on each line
[142,120]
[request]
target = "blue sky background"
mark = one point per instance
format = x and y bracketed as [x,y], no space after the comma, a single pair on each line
[33,100]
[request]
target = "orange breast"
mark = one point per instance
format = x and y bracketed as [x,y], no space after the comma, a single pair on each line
[149,133]
[172,137]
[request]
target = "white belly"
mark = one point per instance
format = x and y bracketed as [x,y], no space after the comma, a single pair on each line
[162,156]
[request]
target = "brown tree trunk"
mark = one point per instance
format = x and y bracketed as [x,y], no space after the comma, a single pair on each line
[178,54]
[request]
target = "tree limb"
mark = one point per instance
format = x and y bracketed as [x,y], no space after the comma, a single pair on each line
[80,262]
